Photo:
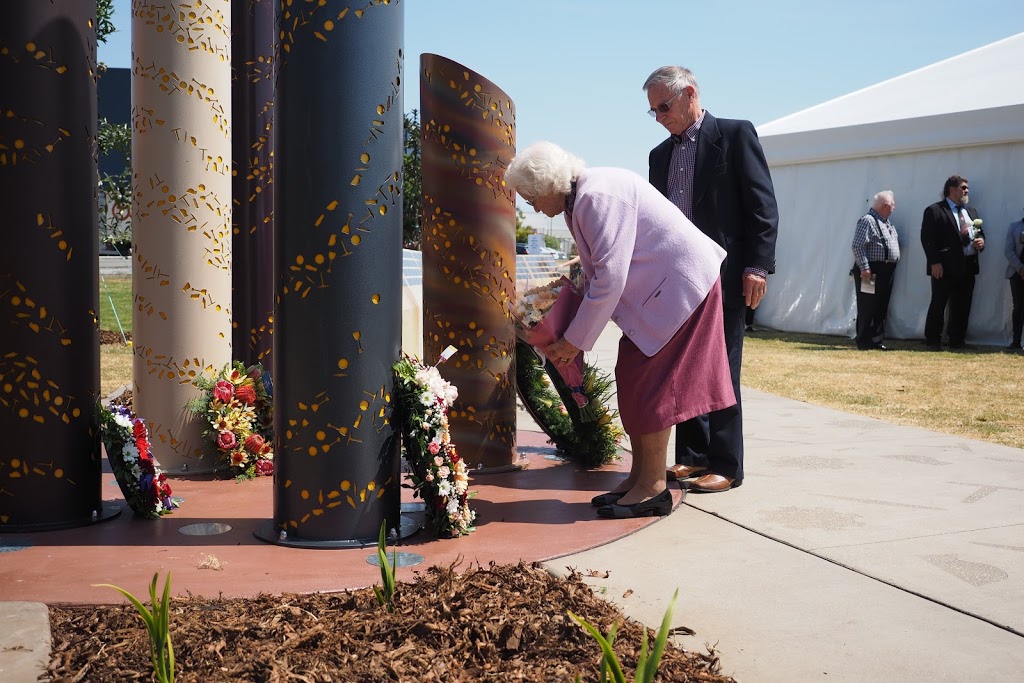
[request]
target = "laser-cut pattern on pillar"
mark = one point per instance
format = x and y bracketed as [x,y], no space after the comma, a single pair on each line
[468,137]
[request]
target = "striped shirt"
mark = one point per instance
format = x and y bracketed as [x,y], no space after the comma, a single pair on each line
[875,239]
[681,172]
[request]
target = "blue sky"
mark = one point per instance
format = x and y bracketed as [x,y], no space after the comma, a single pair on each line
[574,68]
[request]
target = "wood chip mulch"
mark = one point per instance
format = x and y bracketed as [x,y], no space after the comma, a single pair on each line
[500,623]
[109,337]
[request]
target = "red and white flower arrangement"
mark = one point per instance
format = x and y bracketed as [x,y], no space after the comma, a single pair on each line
[126,441]
[237,404]
[438,473]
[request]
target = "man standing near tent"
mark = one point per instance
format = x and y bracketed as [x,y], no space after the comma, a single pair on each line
[952,239]
[714,170]
[876,250]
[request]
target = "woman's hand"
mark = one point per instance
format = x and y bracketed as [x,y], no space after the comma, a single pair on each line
[562,352]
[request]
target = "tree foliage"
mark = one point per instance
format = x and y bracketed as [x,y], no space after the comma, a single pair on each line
[412,182]
[104,19]
[115,226]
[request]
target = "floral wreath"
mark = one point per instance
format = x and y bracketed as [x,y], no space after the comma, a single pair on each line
[550,402]
[126,441]
[439,475]
[237,404]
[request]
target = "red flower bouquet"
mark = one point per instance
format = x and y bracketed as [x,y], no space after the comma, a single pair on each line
[238,406]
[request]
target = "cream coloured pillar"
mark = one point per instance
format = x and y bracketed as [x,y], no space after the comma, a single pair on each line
[181,216]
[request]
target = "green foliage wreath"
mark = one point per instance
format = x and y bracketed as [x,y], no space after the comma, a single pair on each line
[549,401]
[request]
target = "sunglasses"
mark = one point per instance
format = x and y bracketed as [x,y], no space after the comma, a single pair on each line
[663,107]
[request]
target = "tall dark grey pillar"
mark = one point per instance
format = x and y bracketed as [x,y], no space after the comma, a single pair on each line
[50,466]
[252,153]
[338,255]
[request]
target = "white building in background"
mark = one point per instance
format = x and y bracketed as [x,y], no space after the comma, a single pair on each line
[963,115]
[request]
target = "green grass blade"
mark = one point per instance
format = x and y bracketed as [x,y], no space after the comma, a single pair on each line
[609,655]
[146,615]
[659,642]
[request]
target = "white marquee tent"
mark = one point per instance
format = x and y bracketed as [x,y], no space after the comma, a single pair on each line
[963,115]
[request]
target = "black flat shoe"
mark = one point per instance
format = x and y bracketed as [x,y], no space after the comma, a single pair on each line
[659,506]
[606,499]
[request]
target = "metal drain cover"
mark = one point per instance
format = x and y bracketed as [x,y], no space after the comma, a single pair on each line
[205,529]
[13,546]
[400,559]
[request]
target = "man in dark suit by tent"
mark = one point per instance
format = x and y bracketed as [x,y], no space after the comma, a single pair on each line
[952,239]
[714,170]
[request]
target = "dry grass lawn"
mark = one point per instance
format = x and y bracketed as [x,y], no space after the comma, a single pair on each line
[974,393]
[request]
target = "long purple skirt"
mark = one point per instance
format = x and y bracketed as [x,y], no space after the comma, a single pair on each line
[688,377]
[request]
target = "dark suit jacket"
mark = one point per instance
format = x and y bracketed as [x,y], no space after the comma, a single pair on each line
[940,237]
[733,198]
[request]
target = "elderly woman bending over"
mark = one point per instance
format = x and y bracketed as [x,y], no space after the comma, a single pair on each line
[652,272]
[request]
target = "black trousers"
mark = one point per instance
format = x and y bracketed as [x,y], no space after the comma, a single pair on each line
[872,309]
[957,292]
[715,440]
[1017,293]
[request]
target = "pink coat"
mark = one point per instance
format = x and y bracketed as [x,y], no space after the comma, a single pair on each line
[647,266]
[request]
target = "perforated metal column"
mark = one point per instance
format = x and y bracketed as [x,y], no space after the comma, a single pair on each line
[469,255]
[338,242]
[252,130]
[181,218]
[49,266]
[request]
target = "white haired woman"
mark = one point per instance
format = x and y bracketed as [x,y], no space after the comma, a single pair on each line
[657,276]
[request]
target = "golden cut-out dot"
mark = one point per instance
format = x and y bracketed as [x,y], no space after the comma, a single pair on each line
[328,25]
[31,47]
[364,158]
[363,405]
[23,412]
[304,494]
[319,258]
[18,144]
[321,435]
[356,335]
[8,388]
[343,363]
[356,239]
[311,450]
[375,298]
[300,259]
[346,485]
[58,473]
[383,210]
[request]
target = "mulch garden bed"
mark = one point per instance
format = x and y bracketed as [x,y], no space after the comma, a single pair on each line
[109,337]
[500,623]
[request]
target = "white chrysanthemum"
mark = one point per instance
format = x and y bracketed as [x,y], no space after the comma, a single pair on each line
[130,452]
[453,506]
[444,488]
[123,421]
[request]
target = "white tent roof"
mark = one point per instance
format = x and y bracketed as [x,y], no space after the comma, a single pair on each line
[913,112]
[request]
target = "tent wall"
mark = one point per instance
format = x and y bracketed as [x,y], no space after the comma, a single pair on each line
[820,202]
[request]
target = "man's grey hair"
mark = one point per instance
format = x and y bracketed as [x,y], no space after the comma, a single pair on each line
[883,197]
[543,168]
[675,78]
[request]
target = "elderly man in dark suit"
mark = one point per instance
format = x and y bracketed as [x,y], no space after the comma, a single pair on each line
[951,242]
[715,172]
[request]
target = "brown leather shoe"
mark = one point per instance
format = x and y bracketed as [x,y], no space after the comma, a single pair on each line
[713,483]
[683,472]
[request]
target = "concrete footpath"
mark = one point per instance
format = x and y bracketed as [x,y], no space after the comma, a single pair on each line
[855,550]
